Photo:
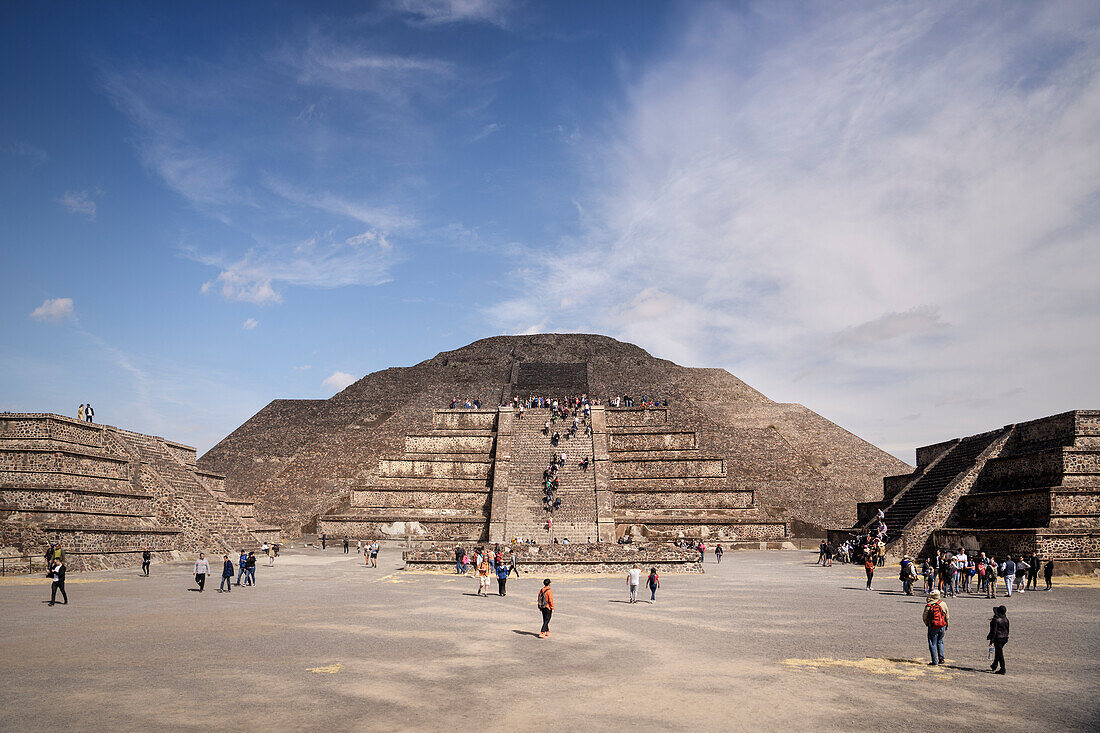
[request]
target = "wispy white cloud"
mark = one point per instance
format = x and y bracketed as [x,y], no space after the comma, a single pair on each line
[303,368]
[384,217]
[364,259]
[486,131]
[79,202]
[856,208]
[338,381]
[21,149]
[446,12]
[54,310]
[250,324]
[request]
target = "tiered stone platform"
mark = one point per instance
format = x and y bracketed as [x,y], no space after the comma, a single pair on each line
[572,558]
[107,493]
[478,475]
[1027,487]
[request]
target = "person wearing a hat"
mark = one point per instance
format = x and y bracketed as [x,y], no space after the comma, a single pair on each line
[936,619]
[998,637]
[908,575]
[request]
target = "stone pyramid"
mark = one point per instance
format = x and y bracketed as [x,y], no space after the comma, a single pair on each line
[386,457]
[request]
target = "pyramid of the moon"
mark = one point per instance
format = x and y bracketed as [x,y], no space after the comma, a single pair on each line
[388,457]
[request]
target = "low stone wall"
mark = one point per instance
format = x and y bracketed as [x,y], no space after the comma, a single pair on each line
[650,441]
[479,444]
[636,416]
[702,500]
[667,468]
[468,501]
[572,558]
[406,468]
[464,419]
[713,532]
[364,528]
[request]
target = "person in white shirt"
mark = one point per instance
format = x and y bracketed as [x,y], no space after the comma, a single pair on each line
[633,580]
[202,569]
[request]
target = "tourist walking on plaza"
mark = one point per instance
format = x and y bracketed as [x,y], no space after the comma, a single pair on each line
[347,545]
[270,555]
[991,578]
[908,575]
[502,579]
[251,565]
[358,546]
[1048,572]
[546,607]
[57,575]
[202,569]
[374,547]
[1033,563]
[227,575]
[869,567]
[654,582]
[460,566]
[998,637]
[718,553]
[324,540]
[936,619]
[633,580]
[146,559]
[1021,573]
[821,554]
[243,567]
[483,574]
[1008,572]
[513,564]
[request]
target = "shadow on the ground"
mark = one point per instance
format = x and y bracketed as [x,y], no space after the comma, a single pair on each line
[919,663]
[524,633]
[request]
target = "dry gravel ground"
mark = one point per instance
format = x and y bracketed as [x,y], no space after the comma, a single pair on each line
[766,641]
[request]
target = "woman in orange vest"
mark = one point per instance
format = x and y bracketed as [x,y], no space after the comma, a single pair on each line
[546,605]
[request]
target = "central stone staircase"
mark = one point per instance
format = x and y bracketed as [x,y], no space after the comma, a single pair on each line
[575,520]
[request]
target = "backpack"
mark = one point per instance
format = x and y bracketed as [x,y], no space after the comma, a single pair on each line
[542,599]
[939,618]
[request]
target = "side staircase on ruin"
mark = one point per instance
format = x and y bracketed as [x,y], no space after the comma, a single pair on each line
[1031,487]
[532,452]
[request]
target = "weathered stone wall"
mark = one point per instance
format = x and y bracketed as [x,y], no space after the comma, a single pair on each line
[662,468]
[464,419]
[481,444]
[467,500]
[741,532]
[91,500]
[624,441]
[683,499]
[928,453]
[629,417]
[405,468]
[356,528]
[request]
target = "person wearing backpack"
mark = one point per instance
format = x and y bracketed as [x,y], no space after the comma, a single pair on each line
[991,578]
[936,619]
[907,575]
[998,637]
[654,582]
[546,607]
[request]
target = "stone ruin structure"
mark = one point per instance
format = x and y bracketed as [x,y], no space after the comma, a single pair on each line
[1024,488]
[386,458]
[107,493]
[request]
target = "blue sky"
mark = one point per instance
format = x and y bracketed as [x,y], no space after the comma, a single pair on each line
[887,212]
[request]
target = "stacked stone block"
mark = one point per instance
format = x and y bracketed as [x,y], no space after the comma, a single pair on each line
[663,486]
[437,489]
[106,494]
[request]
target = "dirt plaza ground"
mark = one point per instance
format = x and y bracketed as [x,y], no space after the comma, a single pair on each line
[766,641]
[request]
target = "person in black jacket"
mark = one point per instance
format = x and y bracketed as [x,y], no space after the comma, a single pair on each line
[998,637]
[227,575]
[146,558]
[57,572]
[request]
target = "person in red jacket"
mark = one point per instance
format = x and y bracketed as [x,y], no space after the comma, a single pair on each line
[546,606]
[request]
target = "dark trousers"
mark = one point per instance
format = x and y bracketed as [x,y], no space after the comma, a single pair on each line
[513,569]
[145,566]
[345,549]
[200,578]
[546,613]
[870,574]
[58,585]
[501,583]
[227,583]
[999,653]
